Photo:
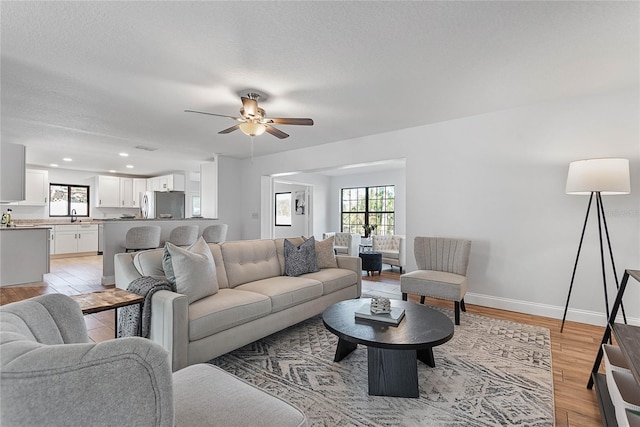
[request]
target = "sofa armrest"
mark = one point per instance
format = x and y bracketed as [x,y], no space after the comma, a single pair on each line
[170,326]
[126,381]
[353,263]
[125,271]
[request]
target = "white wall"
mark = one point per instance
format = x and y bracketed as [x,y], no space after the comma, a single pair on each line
[394,177]
[499,179]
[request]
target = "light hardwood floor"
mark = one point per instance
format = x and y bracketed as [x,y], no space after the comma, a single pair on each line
[573,351]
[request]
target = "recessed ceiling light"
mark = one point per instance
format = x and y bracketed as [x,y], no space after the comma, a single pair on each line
[124,154]
[112,171]
[53,165]
[67,159]
[130,166]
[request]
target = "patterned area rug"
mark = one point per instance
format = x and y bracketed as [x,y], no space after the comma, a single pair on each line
[491,373]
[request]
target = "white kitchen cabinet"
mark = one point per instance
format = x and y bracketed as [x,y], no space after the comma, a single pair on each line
[107,192]
[36,187]
[171,182]
[139,187]
[126,192]
[12,172]
[70,239]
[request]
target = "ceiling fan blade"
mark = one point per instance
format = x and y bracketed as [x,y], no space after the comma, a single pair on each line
[276,132]
[250,106]
[214,114]
[290,121]
[231,129]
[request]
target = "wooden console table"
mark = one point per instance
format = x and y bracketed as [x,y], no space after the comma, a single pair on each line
[111,299]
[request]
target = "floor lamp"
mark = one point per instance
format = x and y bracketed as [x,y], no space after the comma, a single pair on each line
[595,178]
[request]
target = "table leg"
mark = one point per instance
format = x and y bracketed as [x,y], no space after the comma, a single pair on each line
[344,349]
[115,313]
[392,372]
[426,357]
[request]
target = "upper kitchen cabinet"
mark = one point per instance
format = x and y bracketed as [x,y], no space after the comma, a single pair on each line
[171,182]
[36,188]
[12,173]
[139,187]
[118,192]
[126,192]
[107,192]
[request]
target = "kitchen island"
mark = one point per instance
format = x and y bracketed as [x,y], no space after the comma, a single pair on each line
[24,254]
[115,231]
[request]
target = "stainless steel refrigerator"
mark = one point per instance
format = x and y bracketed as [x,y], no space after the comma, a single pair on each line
[162,204]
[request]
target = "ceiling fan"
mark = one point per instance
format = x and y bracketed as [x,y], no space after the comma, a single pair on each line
[253,120]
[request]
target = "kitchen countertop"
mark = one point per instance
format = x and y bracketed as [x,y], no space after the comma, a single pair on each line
[156,219]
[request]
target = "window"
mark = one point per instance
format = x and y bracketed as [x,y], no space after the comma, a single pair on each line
[68,199]
[368,206]
[283,209]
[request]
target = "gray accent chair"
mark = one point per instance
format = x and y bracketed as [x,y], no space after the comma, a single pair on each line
[442,271]
[392,248]
[345,243]
[216,233]
[51,375]
[142,238]
[184,235]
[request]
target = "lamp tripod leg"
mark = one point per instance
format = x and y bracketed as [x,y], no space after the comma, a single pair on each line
[613,264]
[575,265]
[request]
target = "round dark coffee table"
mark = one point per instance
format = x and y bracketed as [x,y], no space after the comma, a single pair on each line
[392,351]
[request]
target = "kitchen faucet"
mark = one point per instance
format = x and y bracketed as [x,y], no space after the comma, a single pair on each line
[73,215]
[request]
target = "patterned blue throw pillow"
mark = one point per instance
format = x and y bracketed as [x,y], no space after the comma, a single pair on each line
[300,259]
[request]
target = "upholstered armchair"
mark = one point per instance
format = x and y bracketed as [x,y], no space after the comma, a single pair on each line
[392,248]
[50,374]
[442,271]
[345,243]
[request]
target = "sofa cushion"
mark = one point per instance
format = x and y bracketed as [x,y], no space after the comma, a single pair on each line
[249,260]
[333,279]
[300,259]
[390,254]
[149,263]
[224,310]
[285,291]
[324,253]
[192,269]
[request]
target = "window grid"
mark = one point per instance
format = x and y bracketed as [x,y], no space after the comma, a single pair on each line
[368,206]
[63,198]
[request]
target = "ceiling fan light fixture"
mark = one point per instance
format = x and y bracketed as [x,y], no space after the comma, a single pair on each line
[252,129]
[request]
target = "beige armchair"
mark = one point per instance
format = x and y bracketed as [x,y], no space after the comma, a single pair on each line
[392,248]
[345,243]
[442,271]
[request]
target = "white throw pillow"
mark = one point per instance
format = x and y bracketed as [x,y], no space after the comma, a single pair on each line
[194,269]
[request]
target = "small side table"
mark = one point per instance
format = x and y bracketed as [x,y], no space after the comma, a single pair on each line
[371,261]
[111,299]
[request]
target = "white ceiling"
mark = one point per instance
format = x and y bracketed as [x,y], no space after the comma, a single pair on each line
[90,79]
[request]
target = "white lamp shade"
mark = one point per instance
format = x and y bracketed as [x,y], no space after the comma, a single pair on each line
[608,176]
[252,129]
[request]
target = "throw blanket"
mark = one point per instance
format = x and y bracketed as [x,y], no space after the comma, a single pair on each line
[129,316]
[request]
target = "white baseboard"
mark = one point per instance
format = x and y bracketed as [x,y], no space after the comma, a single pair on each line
[546,310]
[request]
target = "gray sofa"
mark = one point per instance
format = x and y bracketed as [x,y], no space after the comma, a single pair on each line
[51,375]
[255,298]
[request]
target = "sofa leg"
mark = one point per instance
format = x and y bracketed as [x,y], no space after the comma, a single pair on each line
[404,296]
[462,306]
[457,312]
[421,299]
